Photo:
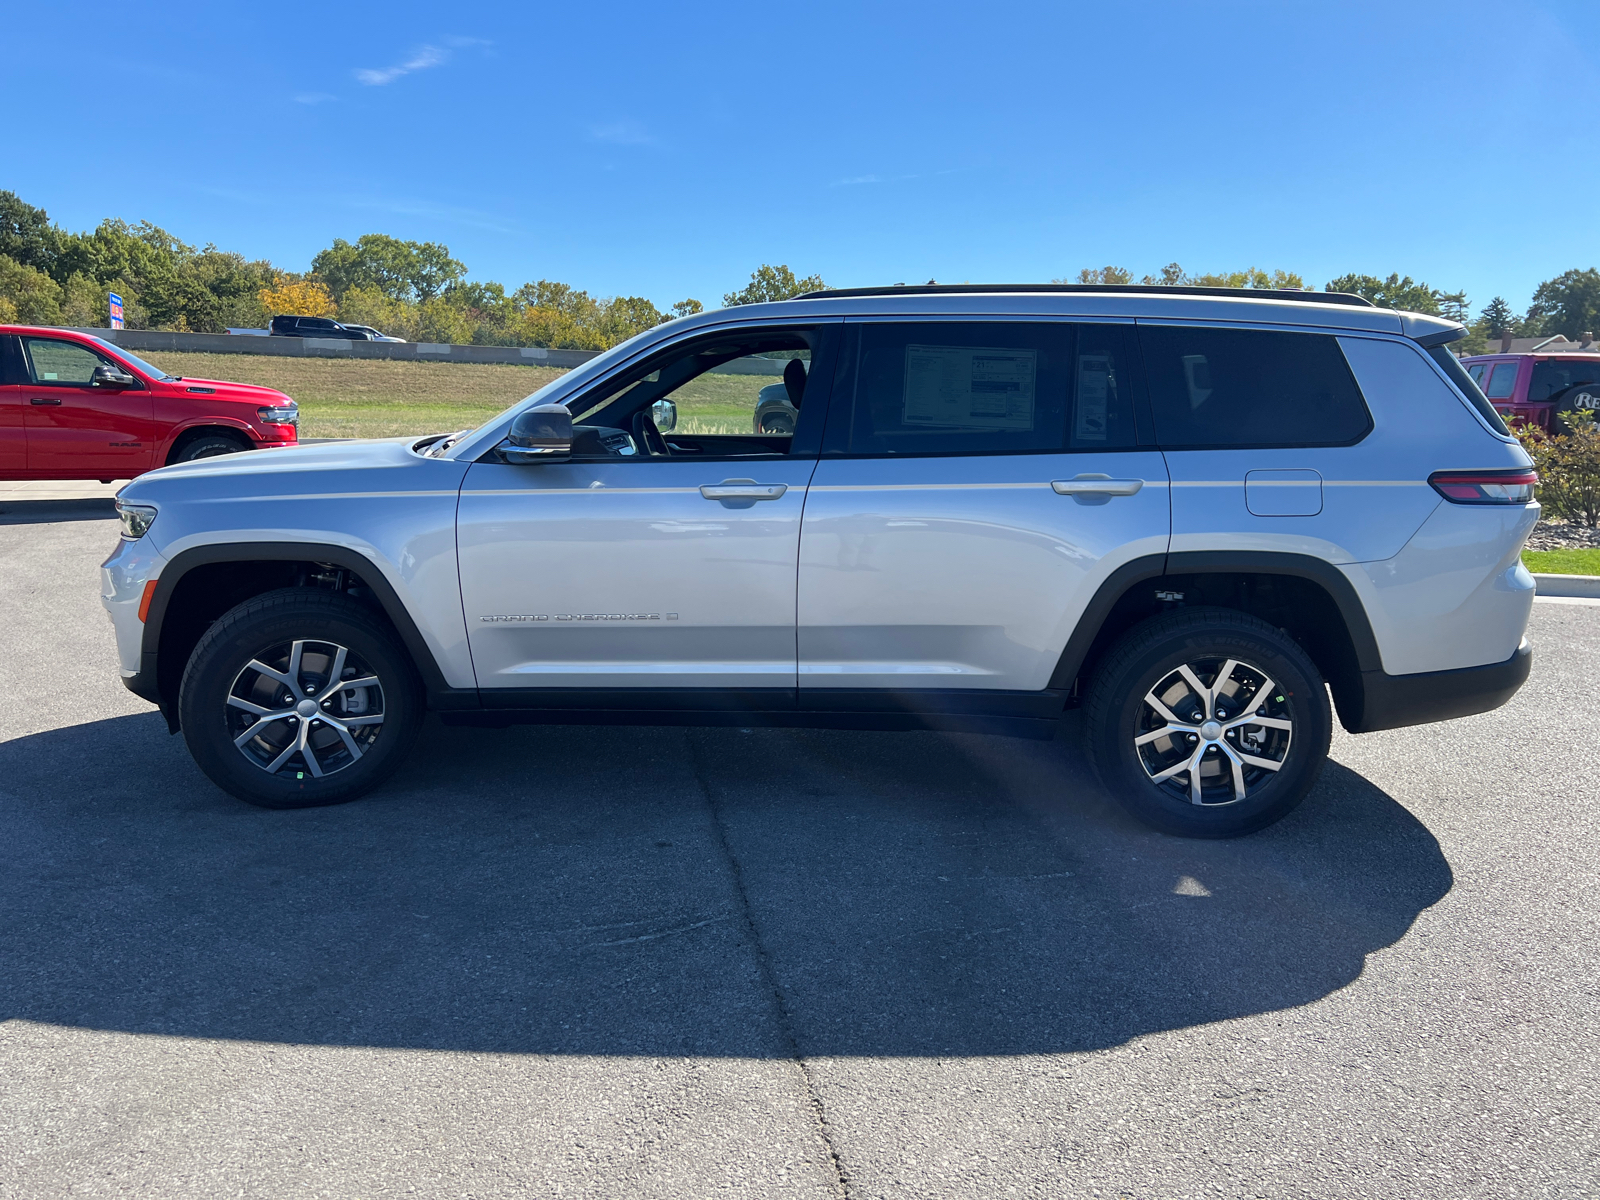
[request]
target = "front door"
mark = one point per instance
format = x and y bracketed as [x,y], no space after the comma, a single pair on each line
[980,480]
[660,560]
[76,430]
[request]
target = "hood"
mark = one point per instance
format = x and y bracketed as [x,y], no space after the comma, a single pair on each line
[273,471]
[231,391]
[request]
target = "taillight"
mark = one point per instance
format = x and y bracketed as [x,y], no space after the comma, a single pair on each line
[1485,487]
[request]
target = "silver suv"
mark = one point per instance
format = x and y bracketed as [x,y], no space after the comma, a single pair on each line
[1190,512]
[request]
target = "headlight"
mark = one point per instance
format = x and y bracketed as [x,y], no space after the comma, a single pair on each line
[136,519]
[287,414]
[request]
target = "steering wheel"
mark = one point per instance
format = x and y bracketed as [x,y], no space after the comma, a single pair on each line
[648,437]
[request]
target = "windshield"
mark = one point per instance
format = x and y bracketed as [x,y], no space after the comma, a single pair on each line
[1553,378]
[154,372]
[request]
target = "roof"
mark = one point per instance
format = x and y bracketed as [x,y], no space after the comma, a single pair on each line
[1551,344]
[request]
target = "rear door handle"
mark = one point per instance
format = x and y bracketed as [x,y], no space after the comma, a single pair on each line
[45,400]
[743,489]
[1096,485]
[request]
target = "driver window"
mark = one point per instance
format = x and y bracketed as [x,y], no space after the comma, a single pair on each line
[61,363]
[731,394]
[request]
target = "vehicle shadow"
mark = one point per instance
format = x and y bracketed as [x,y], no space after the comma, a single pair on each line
[675,892]
[49,512]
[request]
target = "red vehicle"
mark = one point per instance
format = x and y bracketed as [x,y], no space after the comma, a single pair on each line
[1533,388]
[73,406]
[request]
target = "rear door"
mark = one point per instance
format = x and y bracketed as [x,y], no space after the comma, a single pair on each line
[980,479]
[76,430]
[13,403]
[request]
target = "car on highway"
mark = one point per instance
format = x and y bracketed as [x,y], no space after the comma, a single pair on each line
[1537,388]
[324,327]
[74,406]
[1192,513]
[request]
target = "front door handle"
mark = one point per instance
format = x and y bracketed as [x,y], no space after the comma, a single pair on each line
[743,489]
[1096,485]
[45,400]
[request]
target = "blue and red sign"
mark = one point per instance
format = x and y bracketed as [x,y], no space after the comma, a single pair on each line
[116,310]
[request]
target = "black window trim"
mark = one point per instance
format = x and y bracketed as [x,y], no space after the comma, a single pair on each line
[1261,327]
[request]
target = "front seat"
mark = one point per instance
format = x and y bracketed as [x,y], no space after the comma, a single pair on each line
[794,381]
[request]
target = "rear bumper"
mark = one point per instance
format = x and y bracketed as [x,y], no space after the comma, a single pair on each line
[1394,701]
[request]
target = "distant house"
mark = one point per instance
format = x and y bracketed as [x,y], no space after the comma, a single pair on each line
[1553,344]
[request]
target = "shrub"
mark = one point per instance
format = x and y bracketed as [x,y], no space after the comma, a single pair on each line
[33,296]
[1569,467]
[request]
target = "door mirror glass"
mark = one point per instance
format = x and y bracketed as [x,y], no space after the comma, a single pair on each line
[665,414]
[541,434]
[110,377]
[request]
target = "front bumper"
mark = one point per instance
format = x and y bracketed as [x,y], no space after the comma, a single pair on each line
[122,581]
[1394,701]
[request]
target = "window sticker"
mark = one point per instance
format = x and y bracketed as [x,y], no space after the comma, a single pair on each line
[970,387]
[51,375]
[1095,381]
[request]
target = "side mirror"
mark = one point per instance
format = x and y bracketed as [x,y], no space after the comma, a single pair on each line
[542,434]
[110,377]
[665,414]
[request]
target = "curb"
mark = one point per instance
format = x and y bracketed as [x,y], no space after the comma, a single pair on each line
[1586,586]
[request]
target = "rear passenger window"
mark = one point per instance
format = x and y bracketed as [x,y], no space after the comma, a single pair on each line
[985,387]
[1223,388]
[1503,382]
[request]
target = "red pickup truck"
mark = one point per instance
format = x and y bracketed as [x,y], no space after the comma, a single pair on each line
[73,406]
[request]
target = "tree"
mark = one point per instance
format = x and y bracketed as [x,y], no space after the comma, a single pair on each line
[1171,276]
[1104,276]
[1250,277]
[687,308]
[1569,304]
[1453,306]
[1393,292]
[1498,318]
[26,235]
[31,296]
[773,283]
[299,298]
[400,270]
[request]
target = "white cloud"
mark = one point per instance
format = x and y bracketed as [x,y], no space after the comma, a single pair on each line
[622,133]
[425,57]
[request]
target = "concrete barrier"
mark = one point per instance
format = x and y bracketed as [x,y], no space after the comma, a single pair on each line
[156,340]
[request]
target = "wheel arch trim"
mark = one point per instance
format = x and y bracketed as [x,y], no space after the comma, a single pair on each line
[367,568]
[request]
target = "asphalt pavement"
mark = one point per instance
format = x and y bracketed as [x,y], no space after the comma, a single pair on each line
[682,963]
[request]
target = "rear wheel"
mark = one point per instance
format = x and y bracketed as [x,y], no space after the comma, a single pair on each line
[298,698]
[1208,723]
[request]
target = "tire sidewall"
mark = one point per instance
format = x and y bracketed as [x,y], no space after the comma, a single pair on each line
[1283,662]
[216,664]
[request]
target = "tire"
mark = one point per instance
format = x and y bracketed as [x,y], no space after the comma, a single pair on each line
[1295,733]
[222,695]
[209,447]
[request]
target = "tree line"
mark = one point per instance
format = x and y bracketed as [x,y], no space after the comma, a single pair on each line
[1568,305]
[419,291]
[414,290]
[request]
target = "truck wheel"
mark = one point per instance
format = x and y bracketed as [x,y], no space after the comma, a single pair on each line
[1208,722]
[298,698]
[209,447]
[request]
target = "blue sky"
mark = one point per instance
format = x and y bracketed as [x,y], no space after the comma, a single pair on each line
[667,150]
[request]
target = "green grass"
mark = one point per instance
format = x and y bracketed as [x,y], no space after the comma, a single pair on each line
[352,397]
[1562,562]
[369,398]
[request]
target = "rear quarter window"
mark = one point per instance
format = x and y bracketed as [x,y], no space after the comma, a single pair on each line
[1214,388]
[1468,385]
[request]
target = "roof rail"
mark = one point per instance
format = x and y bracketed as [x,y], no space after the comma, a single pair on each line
[1146,289]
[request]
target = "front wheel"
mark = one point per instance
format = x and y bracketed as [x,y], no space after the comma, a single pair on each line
[209,447]
[298,698]
[1208,723]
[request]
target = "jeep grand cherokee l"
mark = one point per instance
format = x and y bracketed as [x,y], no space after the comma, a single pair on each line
[1193,513]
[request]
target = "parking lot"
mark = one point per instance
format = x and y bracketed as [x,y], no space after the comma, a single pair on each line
[666,962]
